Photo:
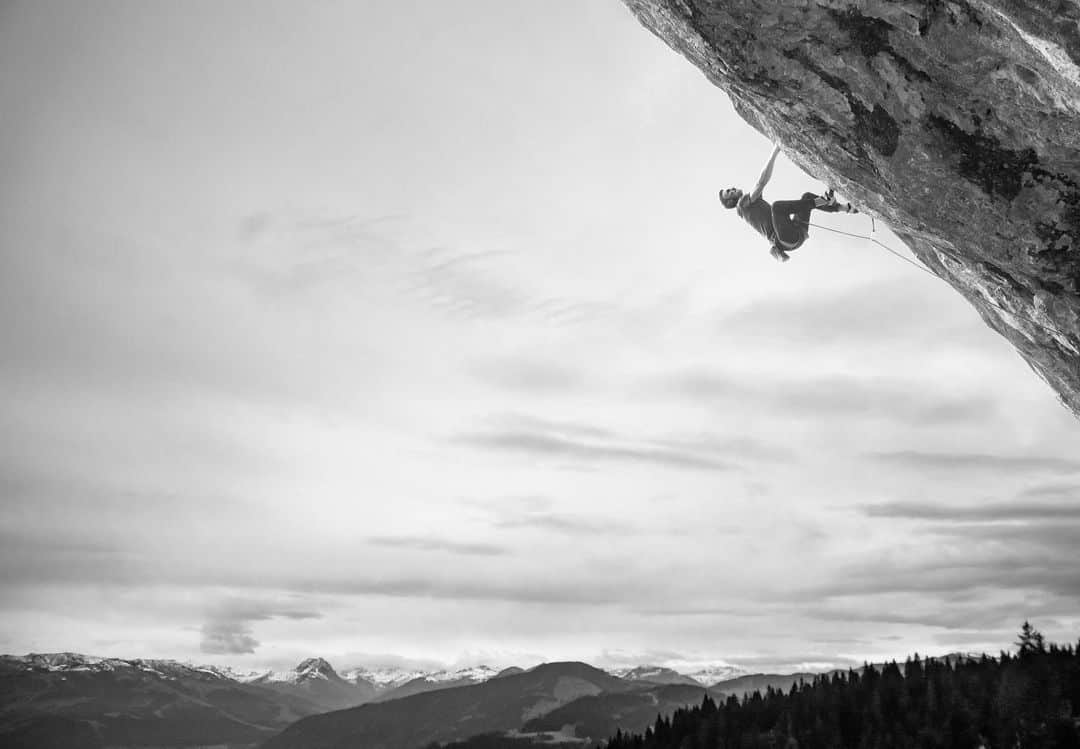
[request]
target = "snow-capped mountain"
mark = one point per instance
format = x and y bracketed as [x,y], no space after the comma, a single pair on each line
[691,674]
[315,679]
[474,673]
[79,663]
[387,679]
[443,679]
[709,675]
[383,679]
[655,675]
[371,683]
[75,700]
[309,669]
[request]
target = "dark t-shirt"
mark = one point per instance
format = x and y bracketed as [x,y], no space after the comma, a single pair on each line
[759,215]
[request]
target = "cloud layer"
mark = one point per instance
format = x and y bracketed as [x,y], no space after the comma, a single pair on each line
[433,369]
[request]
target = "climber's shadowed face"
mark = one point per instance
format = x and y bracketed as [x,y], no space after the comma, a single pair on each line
[730,197]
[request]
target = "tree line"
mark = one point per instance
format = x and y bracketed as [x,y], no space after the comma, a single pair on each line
[1029,699]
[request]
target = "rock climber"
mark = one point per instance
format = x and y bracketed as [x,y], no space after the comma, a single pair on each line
[784,223]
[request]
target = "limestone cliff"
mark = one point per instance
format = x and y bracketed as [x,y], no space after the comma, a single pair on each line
[957,123]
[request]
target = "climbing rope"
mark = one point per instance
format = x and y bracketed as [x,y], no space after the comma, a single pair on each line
[1048,328]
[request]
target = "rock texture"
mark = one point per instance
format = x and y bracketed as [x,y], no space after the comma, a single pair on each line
[957,123]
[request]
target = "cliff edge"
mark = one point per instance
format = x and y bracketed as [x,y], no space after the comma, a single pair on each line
[957,123]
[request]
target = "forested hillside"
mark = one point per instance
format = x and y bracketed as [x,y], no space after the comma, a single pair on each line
[1030,699]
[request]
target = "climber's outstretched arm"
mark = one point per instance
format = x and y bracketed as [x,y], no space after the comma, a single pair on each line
[765,175]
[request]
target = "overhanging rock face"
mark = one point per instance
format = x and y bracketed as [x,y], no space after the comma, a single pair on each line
[958,123]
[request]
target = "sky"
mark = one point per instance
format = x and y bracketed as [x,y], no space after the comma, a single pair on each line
[414,332]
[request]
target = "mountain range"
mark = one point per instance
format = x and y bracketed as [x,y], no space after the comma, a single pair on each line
[74,700]
[445,715]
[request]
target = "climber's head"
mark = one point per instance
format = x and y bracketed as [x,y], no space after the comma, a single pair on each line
[730,197]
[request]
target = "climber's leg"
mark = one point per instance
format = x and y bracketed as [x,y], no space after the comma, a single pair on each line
[829,204]
[791,219]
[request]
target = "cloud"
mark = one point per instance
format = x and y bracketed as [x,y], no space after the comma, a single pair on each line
[459,281]
[619,658]
[989,512]
[812,662]
[327,570]
[558,447]
[567,524]
[569,429]
[861,316]
[228,630]
[479,285]
[535,513]
[924,461]
[956,618]
[830,397]
[680,611]
[1029,561]
[527,375]
[32,556]
[977,622]
[741,448]
[961,637]
[1021,545]
[295,256]
[1063,491]
[245,609]
[227,638]
[437,544]
[548,592]
[592,445]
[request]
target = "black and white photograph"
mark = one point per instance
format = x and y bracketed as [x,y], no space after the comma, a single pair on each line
[581,374]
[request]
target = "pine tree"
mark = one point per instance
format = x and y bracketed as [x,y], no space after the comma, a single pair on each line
[1031,640]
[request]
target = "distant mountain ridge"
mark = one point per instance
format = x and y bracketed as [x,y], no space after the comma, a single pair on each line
[75,662]
[444,715]
[315,679]
[382,681]
[79,701]
[656,675]
[75,701]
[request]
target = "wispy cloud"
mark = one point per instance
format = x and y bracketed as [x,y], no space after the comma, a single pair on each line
[553,446]
[969,637]
[590,445]
[470,284]
[963,621]
[528,375]
[587,444]
[421,543]
[1025,559]
[36,556]
[1061,490]
[581,592]
[561,523]
[830,396]
[1020,545]
[463,284]
[290,256]
[976,461]
[532,512]
[989,512]
[802,662]
[701,611]
[734,448]
[884,311]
